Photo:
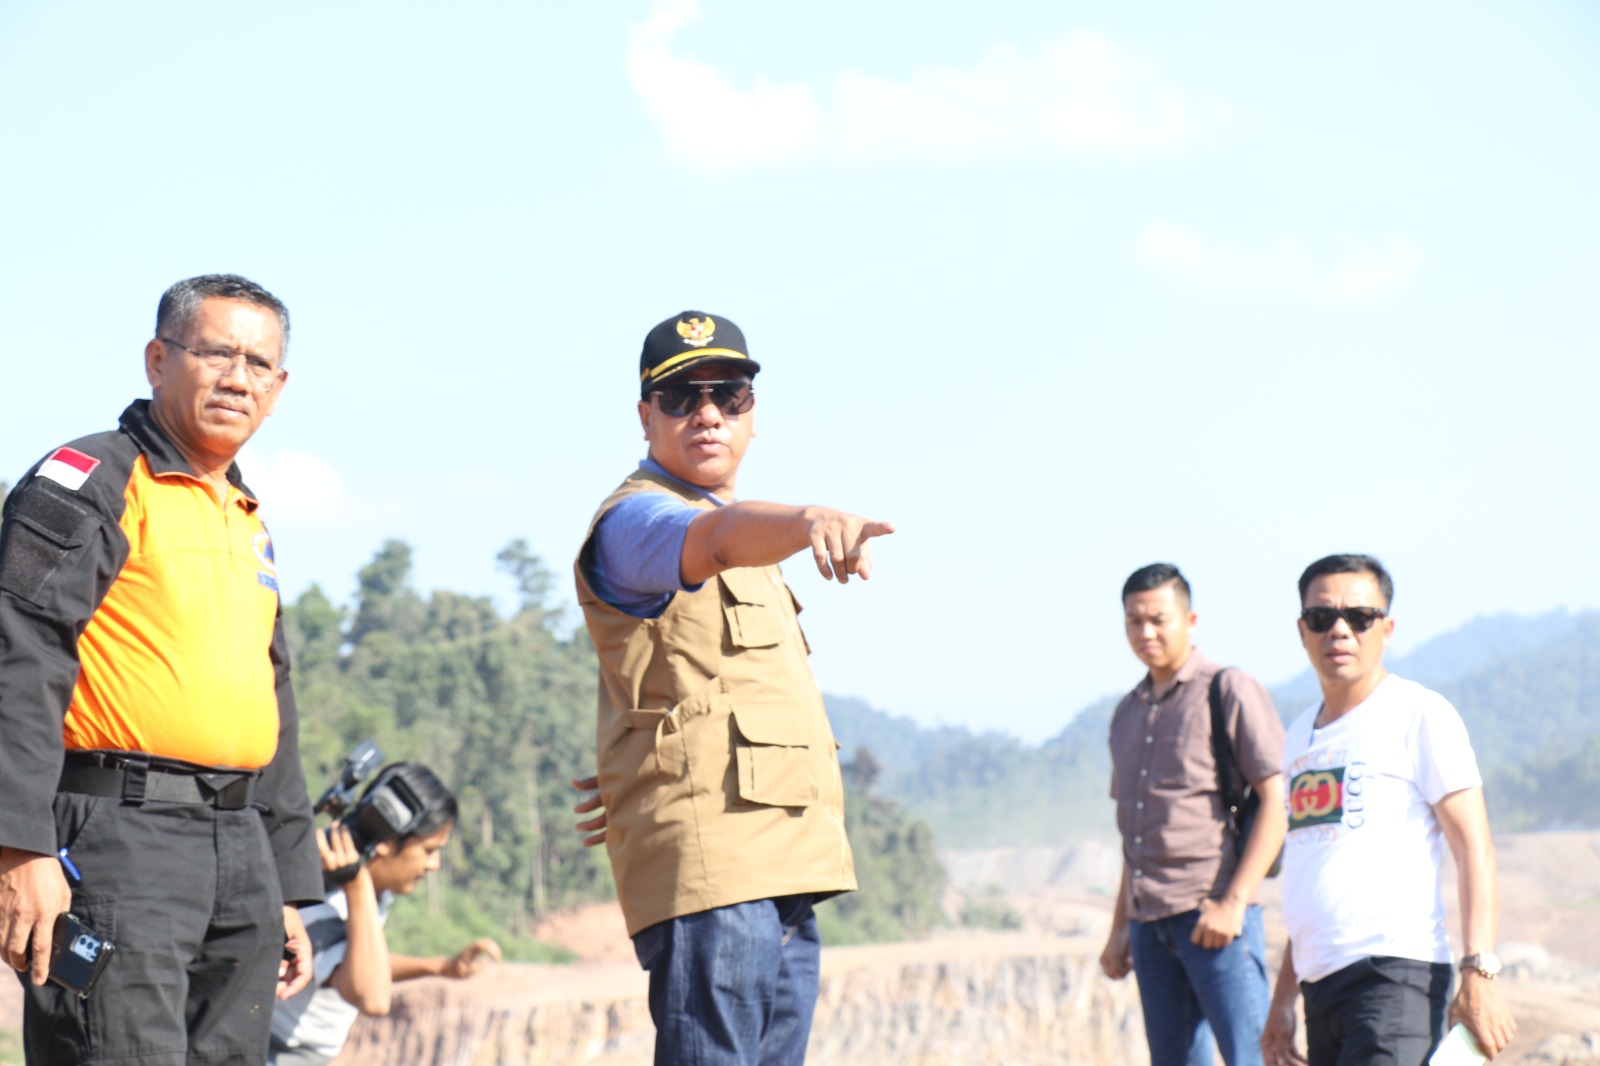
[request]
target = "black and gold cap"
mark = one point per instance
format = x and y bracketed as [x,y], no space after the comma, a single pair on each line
[687,340]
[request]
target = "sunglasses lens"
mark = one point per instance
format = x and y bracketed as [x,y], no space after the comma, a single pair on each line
[1361,618]
[676,400]
[734,397]
[730,397]
[1320,619]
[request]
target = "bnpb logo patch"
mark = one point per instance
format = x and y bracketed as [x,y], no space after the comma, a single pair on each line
[268,574]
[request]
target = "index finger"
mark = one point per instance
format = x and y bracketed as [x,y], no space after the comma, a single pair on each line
[876,529]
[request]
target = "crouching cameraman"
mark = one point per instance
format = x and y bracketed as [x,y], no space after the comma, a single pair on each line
[382,848]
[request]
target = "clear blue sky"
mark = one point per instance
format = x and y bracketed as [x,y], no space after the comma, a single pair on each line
[1059,288]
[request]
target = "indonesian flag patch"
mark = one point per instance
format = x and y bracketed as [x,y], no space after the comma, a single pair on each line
[69,467]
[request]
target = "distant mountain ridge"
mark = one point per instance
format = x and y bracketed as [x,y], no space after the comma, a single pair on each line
[1528,689]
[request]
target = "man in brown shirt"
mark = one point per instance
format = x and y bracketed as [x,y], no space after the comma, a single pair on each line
[1185,922]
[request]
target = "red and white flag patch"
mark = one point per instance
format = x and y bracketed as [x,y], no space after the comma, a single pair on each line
[69,467]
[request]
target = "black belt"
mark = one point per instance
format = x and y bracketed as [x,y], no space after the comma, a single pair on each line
[134,778]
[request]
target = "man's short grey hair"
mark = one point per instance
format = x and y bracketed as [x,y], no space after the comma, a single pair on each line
[180,303]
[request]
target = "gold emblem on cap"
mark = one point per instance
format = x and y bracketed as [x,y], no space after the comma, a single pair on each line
[697,331]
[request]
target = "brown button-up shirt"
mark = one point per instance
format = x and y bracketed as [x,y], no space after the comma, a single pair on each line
[1164,779]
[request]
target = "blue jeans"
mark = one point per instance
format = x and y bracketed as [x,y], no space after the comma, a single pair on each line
[1194,995]
[733,986]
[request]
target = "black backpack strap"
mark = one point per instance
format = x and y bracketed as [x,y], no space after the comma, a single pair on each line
[1222,752]
[1239,799]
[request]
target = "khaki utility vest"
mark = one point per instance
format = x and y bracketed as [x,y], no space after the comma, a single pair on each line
[718,768]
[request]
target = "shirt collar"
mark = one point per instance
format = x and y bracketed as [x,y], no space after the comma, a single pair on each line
[163,456]
[1186,673]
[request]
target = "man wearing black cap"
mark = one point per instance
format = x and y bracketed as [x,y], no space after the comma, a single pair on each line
[717,764]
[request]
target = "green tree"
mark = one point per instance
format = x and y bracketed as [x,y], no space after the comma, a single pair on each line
[385,601]
[534,580]
[902,881]
[502,709]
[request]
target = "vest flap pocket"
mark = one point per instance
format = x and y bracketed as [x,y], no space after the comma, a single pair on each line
[750,625]
[776,764]
[781,726]
[748,584]
[750,604]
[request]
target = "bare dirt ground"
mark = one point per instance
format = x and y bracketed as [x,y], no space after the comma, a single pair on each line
[596,934]
[1549,924]
[1550,934]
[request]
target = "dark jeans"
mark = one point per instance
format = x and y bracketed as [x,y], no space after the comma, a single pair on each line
[733,986]
[1193,996]
[1380,1011]
[189,895]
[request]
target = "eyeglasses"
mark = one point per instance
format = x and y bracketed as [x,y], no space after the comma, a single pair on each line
[733,397]
[1359,619]
[262,374]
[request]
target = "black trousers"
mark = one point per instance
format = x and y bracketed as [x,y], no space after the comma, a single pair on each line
[189,894]
[1381,1011]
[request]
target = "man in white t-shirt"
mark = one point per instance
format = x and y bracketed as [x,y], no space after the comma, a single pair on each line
[1380,777]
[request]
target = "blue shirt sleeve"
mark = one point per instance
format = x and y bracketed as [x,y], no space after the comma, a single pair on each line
[638,552]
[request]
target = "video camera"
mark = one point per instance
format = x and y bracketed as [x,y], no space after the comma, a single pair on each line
[388,811]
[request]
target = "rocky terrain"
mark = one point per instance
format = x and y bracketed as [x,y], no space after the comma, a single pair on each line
[996,999]
[1030,996]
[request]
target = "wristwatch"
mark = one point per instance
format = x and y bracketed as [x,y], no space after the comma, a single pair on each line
[1485,963]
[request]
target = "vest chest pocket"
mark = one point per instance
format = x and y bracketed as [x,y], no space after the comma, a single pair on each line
[750,604]
[775,762]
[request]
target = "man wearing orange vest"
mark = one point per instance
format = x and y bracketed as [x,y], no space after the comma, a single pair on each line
[718,770]
[149,773]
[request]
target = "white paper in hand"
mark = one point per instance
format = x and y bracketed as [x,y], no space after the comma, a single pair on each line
[1458,1048]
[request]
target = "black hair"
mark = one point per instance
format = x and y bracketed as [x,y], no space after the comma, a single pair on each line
[182,300]
[1348,564]
[438,802]
[1155,576]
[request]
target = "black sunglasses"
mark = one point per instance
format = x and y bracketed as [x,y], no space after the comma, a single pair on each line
[1359,619]
[732,397]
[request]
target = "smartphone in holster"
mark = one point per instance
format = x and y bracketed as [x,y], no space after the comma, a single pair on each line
[78,954]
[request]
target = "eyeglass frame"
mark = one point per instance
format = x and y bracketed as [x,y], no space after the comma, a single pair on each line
[1359,619]
[207,358]
[705,389]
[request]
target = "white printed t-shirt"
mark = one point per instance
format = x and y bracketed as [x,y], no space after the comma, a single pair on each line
[318,1018]
[1362,860]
